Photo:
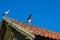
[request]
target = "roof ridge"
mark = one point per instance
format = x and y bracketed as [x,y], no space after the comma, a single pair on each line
[33,25]
[37,30]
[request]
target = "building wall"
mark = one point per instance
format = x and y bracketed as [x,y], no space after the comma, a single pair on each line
[12,34]
[2,30]
[38,37]
[18,35]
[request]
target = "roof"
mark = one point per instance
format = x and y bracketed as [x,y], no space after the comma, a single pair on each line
[37,31]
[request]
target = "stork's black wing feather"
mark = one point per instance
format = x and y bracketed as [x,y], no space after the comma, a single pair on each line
[29,17]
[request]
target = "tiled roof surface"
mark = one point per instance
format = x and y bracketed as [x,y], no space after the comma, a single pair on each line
[38,31]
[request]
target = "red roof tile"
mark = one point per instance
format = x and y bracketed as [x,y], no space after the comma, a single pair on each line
[38,31]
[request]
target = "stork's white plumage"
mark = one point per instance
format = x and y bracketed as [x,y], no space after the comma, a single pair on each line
[29,19]
[6,12]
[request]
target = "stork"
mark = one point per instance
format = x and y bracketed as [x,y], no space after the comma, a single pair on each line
[5,13]
[29,19]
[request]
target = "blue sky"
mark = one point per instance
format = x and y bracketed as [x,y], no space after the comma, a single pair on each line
[45,13]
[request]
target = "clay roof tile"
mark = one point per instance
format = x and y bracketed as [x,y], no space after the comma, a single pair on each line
[38,31]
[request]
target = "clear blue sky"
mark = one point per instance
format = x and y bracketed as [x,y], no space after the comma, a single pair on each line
[45,13]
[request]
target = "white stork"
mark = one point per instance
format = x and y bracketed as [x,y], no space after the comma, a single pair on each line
[5,13]
[29,19]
